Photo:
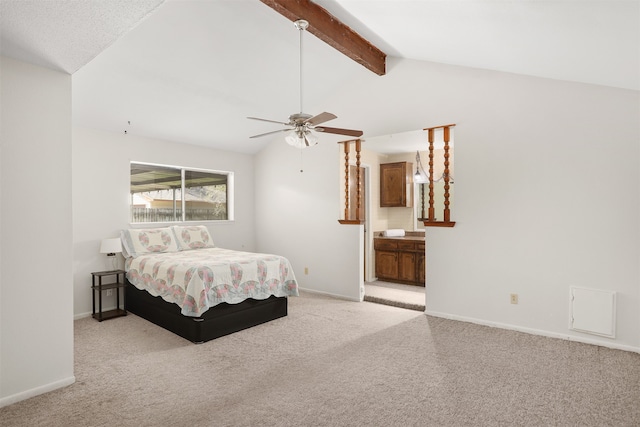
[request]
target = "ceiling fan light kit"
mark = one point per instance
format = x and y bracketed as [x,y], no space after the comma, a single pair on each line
[301,140]
[300,124]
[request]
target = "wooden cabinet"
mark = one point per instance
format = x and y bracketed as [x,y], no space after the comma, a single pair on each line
[396,184]
[407,266]
[399,260]
[386,264]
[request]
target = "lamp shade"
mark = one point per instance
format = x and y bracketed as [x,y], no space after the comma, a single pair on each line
[110,246]
[301,139]
[419,178]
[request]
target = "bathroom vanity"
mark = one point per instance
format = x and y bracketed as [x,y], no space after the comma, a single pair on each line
[400,259]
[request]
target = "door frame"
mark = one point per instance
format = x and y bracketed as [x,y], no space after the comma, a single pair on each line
[369,267]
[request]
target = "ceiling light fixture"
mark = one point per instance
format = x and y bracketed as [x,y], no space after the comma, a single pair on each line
[300,138]
[420,176]
[301,124]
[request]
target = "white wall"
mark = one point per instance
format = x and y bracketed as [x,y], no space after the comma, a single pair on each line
[297,216]
[546,198]
[36,317]
[547,193]
[101,168]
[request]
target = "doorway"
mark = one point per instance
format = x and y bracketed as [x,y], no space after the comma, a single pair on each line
[377,291]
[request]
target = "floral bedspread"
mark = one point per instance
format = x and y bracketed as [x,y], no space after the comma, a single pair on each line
[199,279]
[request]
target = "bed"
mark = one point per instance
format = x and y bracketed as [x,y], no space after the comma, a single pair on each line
[179,280]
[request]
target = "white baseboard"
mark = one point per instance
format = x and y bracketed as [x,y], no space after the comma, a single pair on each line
[81,315]
[344,297]
[9,400]
[592,341]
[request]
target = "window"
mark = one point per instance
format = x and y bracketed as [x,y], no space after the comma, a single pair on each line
[170,194]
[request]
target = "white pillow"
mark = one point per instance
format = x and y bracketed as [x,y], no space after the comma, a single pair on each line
[148,240]
[193,237]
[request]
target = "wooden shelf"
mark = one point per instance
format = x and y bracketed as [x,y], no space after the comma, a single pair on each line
[107,273]
[439,223]
[108,286]
[110,314]
[351,221]
[98,287]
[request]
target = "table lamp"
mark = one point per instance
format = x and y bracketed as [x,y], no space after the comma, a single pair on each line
[111,247]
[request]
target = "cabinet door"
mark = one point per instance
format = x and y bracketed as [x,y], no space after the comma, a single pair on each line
[421,269]
[407,266]
[387,265]
[396,189]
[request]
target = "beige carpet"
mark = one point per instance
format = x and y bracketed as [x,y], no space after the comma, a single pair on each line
[337,363]
[395,294]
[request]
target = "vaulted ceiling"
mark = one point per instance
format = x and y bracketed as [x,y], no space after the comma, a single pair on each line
[192,71]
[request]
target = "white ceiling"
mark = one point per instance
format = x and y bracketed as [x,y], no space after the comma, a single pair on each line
[192,71]
[65,35]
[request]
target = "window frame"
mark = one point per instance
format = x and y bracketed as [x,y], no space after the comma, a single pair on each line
[182,169]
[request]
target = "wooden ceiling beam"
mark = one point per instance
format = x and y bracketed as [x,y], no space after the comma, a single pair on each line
[333,32]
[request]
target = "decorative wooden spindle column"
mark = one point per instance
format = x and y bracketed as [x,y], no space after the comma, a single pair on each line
[447,212]
[431,220]
[358,182]
[422,218]
[347,150]
[432,215]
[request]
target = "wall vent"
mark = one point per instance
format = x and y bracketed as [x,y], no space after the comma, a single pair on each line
[593,311]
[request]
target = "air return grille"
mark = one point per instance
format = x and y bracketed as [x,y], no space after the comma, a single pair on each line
[593,311]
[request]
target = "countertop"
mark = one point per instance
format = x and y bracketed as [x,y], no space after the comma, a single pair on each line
[408,236]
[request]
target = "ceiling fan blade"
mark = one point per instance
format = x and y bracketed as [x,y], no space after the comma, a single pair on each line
[339,131]
[321,118]
[265,120]
[269,133]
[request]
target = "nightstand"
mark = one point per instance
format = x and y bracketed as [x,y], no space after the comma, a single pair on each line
[100,287]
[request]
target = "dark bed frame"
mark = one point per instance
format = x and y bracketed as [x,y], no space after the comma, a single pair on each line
[220,320]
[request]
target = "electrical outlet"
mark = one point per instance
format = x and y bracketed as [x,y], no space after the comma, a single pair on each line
[109,292]
[306,270]
[514,298]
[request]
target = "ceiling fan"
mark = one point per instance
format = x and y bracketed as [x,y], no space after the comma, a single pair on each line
[301,124]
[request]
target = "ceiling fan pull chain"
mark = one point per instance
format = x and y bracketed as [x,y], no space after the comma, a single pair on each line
[301,169]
